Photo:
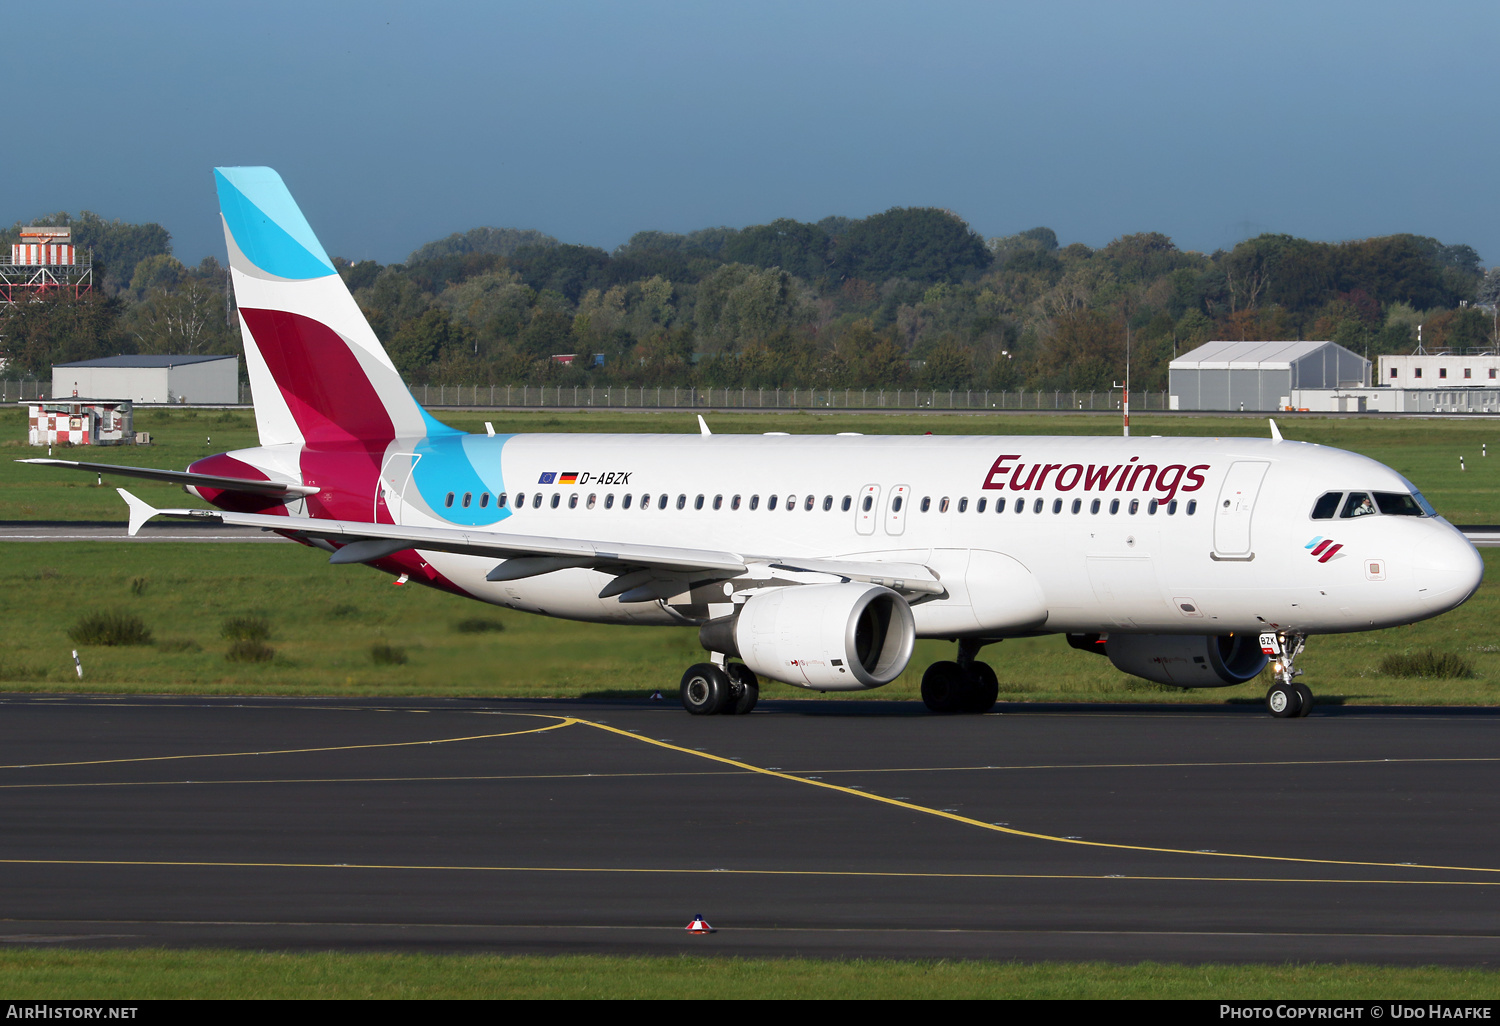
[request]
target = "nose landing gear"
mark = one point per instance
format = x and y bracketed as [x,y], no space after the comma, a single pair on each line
[1288,697]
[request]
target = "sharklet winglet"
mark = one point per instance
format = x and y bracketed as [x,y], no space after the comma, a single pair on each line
[1275,431]
[140,511]
[703,426]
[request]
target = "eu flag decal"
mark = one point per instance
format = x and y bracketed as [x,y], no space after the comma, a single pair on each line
[548,478]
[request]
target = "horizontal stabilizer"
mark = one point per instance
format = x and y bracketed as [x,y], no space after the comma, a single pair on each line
[183,477]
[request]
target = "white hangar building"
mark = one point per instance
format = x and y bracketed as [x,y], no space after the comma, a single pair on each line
[1260,375]
[151,379]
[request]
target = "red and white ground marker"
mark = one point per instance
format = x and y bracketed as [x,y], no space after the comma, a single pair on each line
[700,925]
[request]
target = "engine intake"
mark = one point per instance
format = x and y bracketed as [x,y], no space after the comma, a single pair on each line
[1214,661]
[831,637]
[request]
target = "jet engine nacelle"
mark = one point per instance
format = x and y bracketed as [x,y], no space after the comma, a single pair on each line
[831,637]
[1188,661]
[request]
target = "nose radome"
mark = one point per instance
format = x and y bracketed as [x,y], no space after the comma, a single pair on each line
[1446,566]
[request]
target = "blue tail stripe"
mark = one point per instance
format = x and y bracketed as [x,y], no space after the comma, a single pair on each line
[267,224]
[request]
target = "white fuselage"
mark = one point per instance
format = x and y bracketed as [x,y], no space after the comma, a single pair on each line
[1227,548]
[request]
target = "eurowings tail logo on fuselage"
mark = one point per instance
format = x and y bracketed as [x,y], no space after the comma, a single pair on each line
[1323,549]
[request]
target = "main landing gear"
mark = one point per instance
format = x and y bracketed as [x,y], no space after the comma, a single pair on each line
[965,686]
[708,689]
[1288,697]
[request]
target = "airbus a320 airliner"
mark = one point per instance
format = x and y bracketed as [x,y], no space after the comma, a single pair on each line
[814,561]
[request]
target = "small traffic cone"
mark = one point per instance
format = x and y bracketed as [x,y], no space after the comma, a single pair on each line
[656,696]
[700,925]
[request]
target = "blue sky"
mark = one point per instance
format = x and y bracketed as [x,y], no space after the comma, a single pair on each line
[394,124]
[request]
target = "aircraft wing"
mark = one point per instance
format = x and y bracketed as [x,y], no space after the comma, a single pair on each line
[362,542]
[642,571]
[183,477]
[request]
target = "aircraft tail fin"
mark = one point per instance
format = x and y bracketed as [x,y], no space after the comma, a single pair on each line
[318,375]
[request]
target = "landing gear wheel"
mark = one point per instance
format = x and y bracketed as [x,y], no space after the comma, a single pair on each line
[945,687]
[1304,693]
[982,691]
[745,690]
[1284,701]
[705,689]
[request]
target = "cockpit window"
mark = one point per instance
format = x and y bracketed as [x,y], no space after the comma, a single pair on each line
[1398,504]
[1358,504]
[1327,506]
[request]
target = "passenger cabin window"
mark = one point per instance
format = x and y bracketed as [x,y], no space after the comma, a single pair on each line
[866,504]
[1327,505]
[573,501]
[1114,506]
[1172,508]
[718,502]
[926,503]
[1358,504]
[979,506]
[661,501]
[468,499]
[827,503]
[1135,506]
[698,502]
[1151,508]
[682,501]
[500,500]
[1036,507]
[556,499]
[1094,506]
[755,502]
[844,506]
[896,504]
[449,500]
[593,497]
[963,505]
[484,500]
[625,501]
[1056,506]
[1077,505]
[1192,507]
[809,504]
[770,502]
[734,503]
[1020,505]
[609,500]
[943,504]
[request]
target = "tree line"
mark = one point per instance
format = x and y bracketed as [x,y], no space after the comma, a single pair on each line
[911,297]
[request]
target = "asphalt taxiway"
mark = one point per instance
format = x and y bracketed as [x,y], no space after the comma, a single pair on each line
[807,828]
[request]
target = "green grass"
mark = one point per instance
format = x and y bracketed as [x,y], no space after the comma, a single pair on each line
[1426,451]
[325,642]
[64,974]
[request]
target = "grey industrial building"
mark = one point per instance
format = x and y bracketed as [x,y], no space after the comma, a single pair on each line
[151,379]
[1260,375]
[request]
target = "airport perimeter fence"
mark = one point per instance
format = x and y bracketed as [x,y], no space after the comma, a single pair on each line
[666,398]
[31,390]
